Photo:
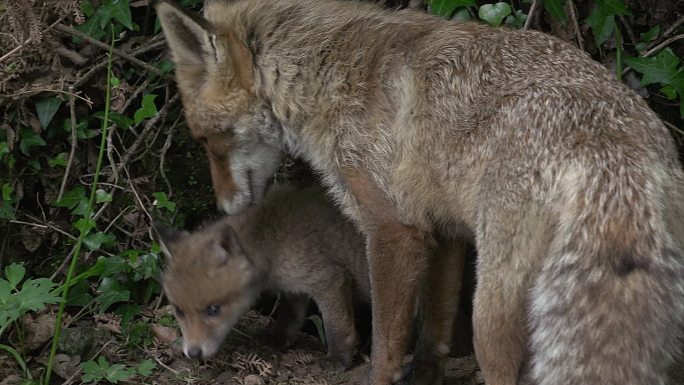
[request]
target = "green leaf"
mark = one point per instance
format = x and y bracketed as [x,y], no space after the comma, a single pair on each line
[494,14]
[7,191]
[127,311]
[102,196]
[29,139]
[95,241]
[79,294]
[35,293]
[678,84]
[148,109]
[71,198]
[517,19]
[462,15]
[5,291]
[46,109]
[84,225]
[92,27]
[119,372]
[661,68]
[4,149]
[121,11]
[163,202]
[555,9]
[120,120]
[650,35]
[146,367]
[446,8]
[62,159]
[114,81]
[670,92]
[612,7]
[81,208]
[602,25]
[111,297]
[14,274]
[319,328]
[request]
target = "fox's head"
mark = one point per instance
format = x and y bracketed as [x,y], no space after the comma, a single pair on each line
[209,281]
[215,76]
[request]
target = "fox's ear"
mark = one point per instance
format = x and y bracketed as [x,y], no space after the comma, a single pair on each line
[188,35]
[193,42]
[166,237]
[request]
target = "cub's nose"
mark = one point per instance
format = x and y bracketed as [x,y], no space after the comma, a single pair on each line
[194,352]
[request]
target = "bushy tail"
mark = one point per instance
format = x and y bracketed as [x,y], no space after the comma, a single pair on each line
[607,306]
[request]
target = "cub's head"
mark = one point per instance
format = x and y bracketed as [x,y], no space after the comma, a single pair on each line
[215,74]
[209,281]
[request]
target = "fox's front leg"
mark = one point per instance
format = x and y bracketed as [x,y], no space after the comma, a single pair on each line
[397,256]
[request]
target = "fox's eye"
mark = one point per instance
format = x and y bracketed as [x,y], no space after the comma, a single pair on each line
[212,310]
[178,311]
[202,140]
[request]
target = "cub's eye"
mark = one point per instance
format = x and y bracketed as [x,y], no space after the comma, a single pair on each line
[212,310]
[202,140]
[178,311]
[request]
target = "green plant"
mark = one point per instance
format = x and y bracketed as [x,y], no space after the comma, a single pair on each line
[84,224]
[16,300]
[102,370]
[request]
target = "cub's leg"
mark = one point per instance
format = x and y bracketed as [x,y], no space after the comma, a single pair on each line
[289,319]
[337,310]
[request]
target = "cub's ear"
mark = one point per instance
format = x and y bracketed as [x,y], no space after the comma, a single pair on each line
[189,35]
[166,236]
[228,247]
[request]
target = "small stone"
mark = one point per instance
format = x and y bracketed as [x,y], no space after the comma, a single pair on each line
[253,379]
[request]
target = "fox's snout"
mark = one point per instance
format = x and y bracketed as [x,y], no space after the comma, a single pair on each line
[193,352]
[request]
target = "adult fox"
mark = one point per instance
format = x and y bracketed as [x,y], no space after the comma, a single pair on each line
[429,132]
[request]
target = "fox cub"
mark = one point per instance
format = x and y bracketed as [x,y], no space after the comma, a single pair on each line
[295,242]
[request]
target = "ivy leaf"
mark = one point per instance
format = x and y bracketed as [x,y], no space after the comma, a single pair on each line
[46,109]
[555,9]
[650,35]
[71,198]
[613,7]
[4,149]
[29,139]
[121,11]
[111,294]
[446,8]
[84,225]
[94,241]
[102,196]
[148,109]
[163,202]
[516,19]
[60,160]
[602,25]
[494,13]
[661,68]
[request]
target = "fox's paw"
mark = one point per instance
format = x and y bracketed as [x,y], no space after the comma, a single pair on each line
[276,340]
[330,364]
[423,372]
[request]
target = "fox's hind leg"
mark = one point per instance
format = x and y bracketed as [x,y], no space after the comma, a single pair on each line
[511,239]
[438,307]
